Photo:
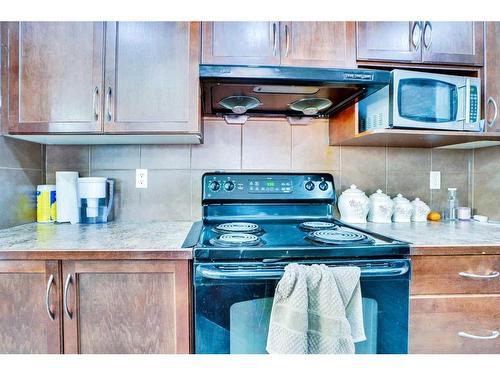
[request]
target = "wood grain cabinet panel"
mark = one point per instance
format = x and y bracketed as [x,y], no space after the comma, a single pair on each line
[320,44]
[25,325]
[127,307]
[442,274]
[54,75]
[492,74]
[248,43]
[151,77]
[438,324]
[389,41]
[453,43]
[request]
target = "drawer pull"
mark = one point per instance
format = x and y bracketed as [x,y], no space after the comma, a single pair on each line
[493,336]
[491,275]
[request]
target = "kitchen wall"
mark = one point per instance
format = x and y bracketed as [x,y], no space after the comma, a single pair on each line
[487,182]
[20,171]
[259,145]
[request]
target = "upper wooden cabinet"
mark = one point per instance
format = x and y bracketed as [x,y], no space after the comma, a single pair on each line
[453,43]
[321,44]
[30,312]
[492,74]
[54,75]
[391,41]
[151,79]
[449,43]
[95,78]
[249,43]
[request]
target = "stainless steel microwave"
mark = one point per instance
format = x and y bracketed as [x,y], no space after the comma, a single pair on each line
[424,101]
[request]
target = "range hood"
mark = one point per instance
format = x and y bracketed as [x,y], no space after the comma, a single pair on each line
[236,92]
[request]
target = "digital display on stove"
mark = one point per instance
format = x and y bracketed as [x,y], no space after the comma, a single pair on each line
[270,185]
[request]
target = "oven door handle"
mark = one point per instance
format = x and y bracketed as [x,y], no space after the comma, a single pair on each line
[216,273]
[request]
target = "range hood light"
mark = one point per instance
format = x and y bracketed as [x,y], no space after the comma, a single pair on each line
[282,89]
[311,106]
[239,104]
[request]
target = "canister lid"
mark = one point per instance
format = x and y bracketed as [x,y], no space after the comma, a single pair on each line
[46,188]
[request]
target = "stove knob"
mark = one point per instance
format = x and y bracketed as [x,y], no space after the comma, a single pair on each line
[214,186]
[309,185]
[229,185]
[323,185]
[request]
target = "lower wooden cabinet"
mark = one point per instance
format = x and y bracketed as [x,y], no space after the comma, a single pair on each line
[455,305]
[114,306]
[455,324]
[30,312]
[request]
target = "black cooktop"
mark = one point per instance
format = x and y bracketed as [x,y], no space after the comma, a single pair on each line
[297,238]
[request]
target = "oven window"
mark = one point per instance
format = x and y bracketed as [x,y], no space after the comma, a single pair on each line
[232,317]
[427,100]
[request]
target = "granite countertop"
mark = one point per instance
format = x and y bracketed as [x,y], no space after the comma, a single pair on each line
[143,240]
[439,238]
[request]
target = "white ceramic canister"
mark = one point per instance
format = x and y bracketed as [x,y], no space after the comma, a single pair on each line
[420,210]
[353,205]
[402,209]
[381,207]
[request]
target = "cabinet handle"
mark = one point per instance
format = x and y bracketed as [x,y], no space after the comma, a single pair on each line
[495,111]
[275,39]
[95,97]
[287,41]
[416,35]
[491,275]
[493,336]
[427,26]
[68,313]
[51,315]
[108,103]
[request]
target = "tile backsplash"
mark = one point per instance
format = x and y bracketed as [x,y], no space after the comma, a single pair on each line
[486,196]
[20,172]
[260,145]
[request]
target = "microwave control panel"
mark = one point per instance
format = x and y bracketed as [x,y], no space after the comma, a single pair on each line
[474,115]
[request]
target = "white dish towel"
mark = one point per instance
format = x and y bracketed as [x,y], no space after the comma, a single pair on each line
[316,310]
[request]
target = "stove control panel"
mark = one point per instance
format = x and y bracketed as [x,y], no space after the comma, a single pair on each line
[262,186]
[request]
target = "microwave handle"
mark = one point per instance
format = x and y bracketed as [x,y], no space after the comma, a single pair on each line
[213,272]
[463,92]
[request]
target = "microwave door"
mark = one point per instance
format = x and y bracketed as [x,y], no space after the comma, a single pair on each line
[430,103]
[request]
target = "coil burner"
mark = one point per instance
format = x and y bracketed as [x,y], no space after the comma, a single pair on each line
[317,225]
[238,227]
[340,237]
[237,240]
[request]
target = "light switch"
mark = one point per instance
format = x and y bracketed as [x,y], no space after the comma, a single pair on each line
[141,178]
[435,180]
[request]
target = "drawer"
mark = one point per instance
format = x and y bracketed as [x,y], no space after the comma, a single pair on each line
[477,274]
[435,324]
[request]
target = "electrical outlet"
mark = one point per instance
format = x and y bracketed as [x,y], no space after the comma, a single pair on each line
[141,178]
[435,180]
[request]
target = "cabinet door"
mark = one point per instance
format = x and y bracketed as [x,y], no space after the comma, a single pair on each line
[455,324]
[492,74]
[323,44]
[389,41]
[245,43]
[55,76]
[151,77]
[126,306]
[453,43]
[30,319]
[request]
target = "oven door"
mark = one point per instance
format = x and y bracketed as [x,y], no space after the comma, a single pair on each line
[233,304]
[426,100]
